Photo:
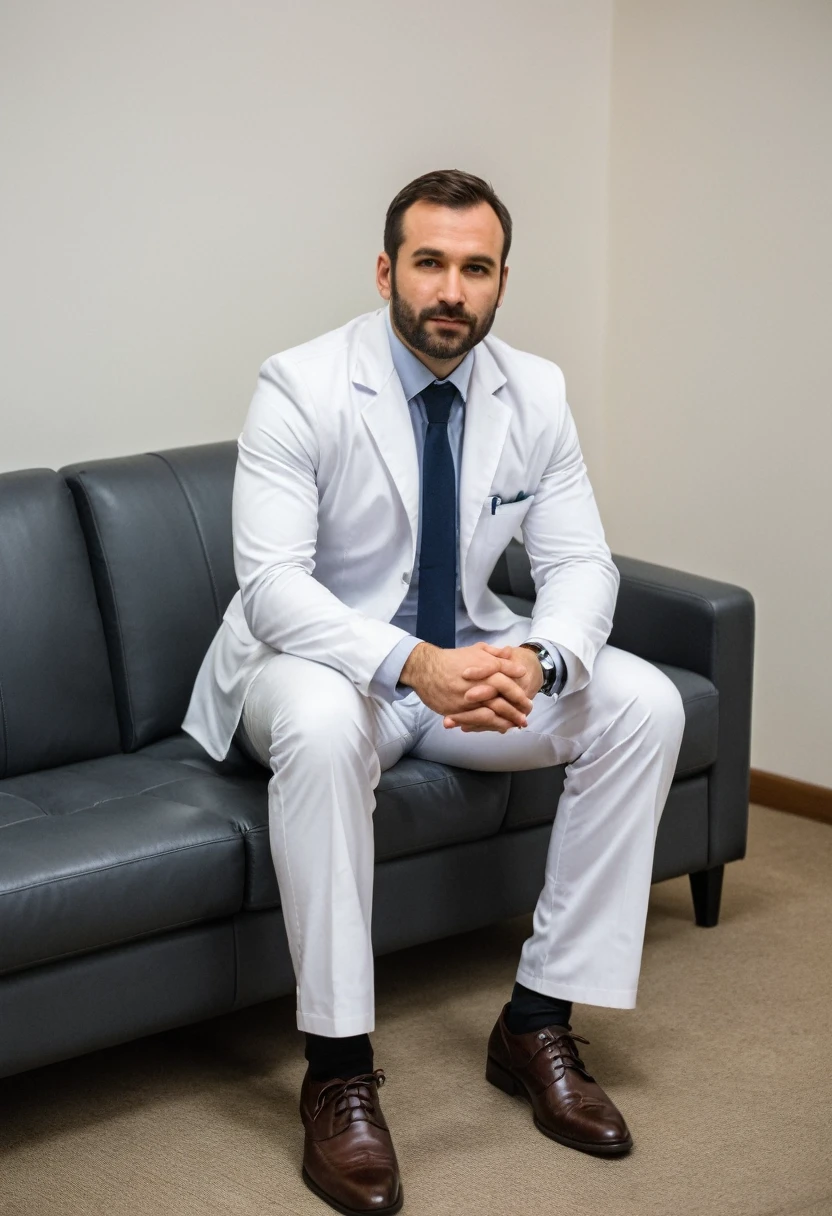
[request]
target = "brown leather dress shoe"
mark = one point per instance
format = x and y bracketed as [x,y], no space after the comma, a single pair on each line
[348,1156]
[569,1105]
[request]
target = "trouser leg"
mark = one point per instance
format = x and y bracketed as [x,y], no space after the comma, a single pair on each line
[619,738]
[326,745]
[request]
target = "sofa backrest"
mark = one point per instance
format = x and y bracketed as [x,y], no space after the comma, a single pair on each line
[158,531]
[56,694]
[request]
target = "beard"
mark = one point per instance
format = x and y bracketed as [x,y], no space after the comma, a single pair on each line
[454,343]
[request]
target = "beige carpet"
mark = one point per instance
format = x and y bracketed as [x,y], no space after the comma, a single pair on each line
[724,1073]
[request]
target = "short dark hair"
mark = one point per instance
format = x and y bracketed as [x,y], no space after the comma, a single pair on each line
[448,188]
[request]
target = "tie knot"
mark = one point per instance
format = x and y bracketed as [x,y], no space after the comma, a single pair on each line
[437,399]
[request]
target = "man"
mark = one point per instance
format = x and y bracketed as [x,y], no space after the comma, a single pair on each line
[383,468]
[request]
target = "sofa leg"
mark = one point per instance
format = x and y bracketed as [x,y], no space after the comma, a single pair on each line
[706,888]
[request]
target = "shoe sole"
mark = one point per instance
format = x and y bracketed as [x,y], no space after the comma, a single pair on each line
[508,1083]
[340,1207]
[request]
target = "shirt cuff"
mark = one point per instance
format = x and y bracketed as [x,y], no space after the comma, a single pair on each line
[560,663]
[385,683]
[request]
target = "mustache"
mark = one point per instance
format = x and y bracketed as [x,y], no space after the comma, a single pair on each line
[452,314]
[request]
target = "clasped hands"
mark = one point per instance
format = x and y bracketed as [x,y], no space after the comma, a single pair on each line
[476,688]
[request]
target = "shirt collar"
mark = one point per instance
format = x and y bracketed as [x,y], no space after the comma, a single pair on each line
[415,377]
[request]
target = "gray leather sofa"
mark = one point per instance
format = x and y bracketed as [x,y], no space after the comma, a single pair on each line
[136,886]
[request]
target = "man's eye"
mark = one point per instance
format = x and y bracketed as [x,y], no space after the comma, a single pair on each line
[478,269]
[427,262]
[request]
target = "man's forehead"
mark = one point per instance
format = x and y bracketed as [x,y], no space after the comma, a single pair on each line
[431,224]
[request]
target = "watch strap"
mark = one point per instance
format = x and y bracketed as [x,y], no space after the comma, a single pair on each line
[551,675]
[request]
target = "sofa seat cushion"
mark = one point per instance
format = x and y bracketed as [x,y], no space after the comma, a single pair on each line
[14,809]
[419,806]
[96,854]
[534,794]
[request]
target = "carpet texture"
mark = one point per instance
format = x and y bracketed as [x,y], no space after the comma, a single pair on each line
[724,1073]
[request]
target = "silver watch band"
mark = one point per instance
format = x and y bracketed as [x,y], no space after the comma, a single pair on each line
[548,665]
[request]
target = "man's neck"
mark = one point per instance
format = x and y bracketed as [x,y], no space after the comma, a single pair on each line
[441,368]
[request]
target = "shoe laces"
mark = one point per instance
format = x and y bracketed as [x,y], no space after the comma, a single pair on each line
[354,1098]
[561,1050]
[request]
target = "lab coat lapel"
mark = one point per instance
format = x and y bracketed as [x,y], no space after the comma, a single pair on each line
[387,416]
[486,426]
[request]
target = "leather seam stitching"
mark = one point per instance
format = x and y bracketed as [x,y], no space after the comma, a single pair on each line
[148,789]
[114,598]
[5,731]
[214,589]
[413,785]
[131,861]
[12,823]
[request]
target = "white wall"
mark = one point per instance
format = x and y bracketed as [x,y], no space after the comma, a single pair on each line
[718,420]
[189,187]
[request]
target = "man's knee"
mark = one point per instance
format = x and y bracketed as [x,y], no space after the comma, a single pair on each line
[309,703]
[660,701]
[634,689]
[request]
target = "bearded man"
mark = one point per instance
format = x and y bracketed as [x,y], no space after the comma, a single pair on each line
[383,468]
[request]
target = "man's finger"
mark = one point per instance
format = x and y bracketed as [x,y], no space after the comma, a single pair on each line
[480,671]
[480,692]
[499,705]
[500,652]
[507,688]
[483,672]
[510,667]
[504,709]
[496,726]
[485,715]
[479,719]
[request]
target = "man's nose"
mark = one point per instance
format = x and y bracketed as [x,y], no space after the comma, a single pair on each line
[451,289]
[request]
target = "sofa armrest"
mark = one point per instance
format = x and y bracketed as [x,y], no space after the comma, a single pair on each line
[668,616]
[708,627]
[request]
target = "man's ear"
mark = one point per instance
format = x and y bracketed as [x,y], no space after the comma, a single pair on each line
[384,274]
[503,281]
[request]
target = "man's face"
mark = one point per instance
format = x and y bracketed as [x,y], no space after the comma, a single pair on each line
[446,285]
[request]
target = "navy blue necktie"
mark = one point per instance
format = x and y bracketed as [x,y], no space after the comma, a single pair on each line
[436,612]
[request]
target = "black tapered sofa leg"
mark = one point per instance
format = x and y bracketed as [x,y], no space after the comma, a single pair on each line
[706,888]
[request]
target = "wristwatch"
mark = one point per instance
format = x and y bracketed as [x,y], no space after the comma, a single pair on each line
[550,671]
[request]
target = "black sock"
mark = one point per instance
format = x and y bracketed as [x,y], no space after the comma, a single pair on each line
[532,1011]
[346,1057]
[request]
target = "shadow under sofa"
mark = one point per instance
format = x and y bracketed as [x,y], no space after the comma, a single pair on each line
[137,891]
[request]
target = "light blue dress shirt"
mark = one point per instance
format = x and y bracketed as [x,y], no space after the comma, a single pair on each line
[415,377]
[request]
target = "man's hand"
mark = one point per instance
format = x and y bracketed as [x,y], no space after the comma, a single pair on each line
[445,680]
[482,694]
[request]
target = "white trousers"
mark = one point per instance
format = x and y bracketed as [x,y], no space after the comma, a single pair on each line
[327,746]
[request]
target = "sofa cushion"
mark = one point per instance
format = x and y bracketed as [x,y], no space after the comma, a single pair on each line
[73,787]
[132,864]
[158,529]
[419,806]
[14,810]
[129,845]
[534,794]
[56,695]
